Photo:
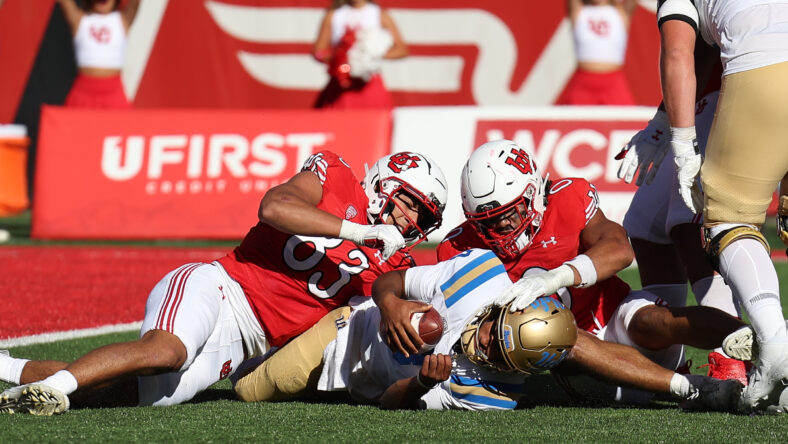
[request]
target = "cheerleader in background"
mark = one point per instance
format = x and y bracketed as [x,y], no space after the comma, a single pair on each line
[600,30]
[99,32]
[355,36]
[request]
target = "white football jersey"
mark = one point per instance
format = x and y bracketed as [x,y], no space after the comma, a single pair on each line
[359,360]
[749,33]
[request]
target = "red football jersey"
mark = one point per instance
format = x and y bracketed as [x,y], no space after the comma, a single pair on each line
[292,281]
[571,203]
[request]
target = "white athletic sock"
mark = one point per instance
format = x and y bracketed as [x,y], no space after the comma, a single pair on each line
[712,291]
[63,381]
[680,386]
[749,271]
[11,368]
[673,294]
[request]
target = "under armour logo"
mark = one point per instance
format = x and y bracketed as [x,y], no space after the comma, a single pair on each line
[548,242]
[657,135]
[341,322]
[221,290]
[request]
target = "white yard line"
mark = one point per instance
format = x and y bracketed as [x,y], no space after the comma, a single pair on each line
[70,334]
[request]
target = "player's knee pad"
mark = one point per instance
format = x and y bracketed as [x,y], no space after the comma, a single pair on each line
[782,219]
[716,244]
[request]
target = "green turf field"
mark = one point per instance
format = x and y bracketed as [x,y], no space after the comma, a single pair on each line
[547,415]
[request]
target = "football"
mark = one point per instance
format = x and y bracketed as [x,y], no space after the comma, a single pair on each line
[430,326]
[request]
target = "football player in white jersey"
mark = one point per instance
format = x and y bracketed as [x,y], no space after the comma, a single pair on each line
[746,158]
[482,375]
[664,233]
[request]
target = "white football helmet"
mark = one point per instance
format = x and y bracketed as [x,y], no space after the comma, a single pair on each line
[498,177]
[414,174]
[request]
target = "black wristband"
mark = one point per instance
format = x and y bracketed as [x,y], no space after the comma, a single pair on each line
[421,383]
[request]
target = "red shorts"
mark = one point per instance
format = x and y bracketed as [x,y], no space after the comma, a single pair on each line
[360,94]
[97,92]
[591,88]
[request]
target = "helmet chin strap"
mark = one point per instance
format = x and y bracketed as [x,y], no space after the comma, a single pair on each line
[386,212]
[375,210]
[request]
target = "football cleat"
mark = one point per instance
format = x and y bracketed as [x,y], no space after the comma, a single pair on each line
[713,394]
[771,370]
[781,404]
[741,344]
[36,399]
[721,367]
[9,400]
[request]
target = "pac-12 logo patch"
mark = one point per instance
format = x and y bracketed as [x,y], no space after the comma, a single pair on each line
[351,212]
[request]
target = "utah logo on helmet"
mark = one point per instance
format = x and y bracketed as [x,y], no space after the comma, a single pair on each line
[503,196]
[411,173]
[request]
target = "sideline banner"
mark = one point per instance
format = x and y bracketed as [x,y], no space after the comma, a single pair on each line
[568,142]
[153,174]
[462,52]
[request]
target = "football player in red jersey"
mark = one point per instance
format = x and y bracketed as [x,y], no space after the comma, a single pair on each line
[323,237]
[552,238]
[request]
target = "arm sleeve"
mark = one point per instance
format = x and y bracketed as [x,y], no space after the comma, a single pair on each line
[420,283]
[683,10]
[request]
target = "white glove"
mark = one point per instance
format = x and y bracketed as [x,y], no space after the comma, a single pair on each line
[384,237]
[687,157]
[525,291]
[645,151]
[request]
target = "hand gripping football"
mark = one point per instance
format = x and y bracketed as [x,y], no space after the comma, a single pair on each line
[430,326]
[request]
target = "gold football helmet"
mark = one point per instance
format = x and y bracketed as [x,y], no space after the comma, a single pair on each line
[528,341]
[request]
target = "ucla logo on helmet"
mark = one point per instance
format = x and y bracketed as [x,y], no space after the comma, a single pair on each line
[507,338]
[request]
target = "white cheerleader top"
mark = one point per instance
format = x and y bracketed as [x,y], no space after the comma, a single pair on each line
[600,35]
[100,41]
[368,16]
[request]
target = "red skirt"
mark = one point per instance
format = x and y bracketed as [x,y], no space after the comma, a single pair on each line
[359,95]
[591,88]
[97,92]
